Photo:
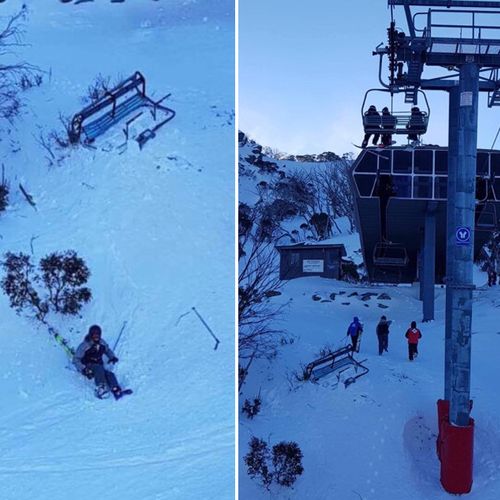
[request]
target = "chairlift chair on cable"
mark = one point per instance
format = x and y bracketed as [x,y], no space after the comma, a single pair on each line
[398,122]
[386,253]
[486,217]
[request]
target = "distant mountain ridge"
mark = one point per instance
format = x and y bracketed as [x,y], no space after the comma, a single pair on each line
[326,156]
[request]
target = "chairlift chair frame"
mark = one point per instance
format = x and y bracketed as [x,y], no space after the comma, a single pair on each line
[380,257]
[397,123]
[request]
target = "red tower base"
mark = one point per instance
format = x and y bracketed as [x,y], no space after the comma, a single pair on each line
[455,446]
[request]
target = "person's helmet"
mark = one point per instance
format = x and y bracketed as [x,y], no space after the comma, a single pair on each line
[385,110]
[372,108]
[414,324]
[383,317]
[415,108]
[95,332]
[355,319]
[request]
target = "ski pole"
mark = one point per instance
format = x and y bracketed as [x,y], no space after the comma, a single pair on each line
[208,328]
[119,335]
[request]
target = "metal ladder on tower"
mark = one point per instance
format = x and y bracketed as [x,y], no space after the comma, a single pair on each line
[494,96]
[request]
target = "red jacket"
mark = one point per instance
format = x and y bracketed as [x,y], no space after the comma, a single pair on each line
[413,334]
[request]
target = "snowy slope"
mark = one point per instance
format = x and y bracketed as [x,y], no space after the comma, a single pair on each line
[158,238]
[376,438]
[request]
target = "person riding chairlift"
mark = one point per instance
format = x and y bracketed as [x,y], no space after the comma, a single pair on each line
[416,124]
[388,123]
[372,111]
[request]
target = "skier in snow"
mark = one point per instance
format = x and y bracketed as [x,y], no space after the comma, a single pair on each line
[413,334]
[383,335]
[88,360]
[372,111]
[355,330]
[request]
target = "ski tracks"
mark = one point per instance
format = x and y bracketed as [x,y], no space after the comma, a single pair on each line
[197,447]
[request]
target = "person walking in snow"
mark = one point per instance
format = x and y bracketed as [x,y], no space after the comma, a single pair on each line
[492,275]
[355,330]
[413,335]
[88,360]
[383,335]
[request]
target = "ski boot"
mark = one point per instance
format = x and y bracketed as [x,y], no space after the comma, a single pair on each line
[117,392]
[101,392]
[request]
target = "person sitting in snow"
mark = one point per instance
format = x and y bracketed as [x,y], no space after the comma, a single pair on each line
[88,360]
[383,335]
[355,330]
[413,335]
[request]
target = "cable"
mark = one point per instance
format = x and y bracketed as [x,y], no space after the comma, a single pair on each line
[496,137]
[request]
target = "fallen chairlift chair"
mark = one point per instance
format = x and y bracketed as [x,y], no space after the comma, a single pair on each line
[333,362]
[397,123]
[390,254]
[124,99]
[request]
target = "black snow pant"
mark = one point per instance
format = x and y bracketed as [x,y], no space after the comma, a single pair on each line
[102,376]
[354,342]
[412,351]
[492,278]
[383,342]
[366,139]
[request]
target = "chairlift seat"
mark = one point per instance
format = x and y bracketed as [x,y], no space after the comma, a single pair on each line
[390,254]
[486,218]
[97,127]
[334,362]
[115,105]
[397,123]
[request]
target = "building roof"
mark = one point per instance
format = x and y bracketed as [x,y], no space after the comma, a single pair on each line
[313,244]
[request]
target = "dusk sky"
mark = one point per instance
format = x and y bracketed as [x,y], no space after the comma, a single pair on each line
[304,68]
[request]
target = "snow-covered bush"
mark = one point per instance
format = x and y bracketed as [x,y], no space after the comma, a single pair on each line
[57,286]
[322,224]
[13,76]
[350,272]
[29,81]
[257,277]
[63,275]
[97,89]
[18,285]
[257,462]
[287,462]
[252,409]
[282,467]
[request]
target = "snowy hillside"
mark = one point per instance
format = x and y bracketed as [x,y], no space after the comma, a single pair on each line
[257,174]
[376,438]
[158,238]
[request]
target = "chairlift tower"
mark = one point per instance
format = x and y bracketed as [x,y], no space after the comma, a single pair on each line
[463,38]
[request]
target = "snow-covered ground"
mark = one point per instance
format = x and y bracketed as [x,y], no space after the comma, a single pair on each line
[158,238]
[375,439]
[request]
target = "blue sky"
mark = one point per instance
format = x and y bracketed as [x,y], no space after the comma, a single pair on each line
[304,68]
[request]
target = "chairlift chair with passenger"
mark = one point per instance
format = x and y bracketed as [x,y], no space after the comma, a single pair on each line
[399,122]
